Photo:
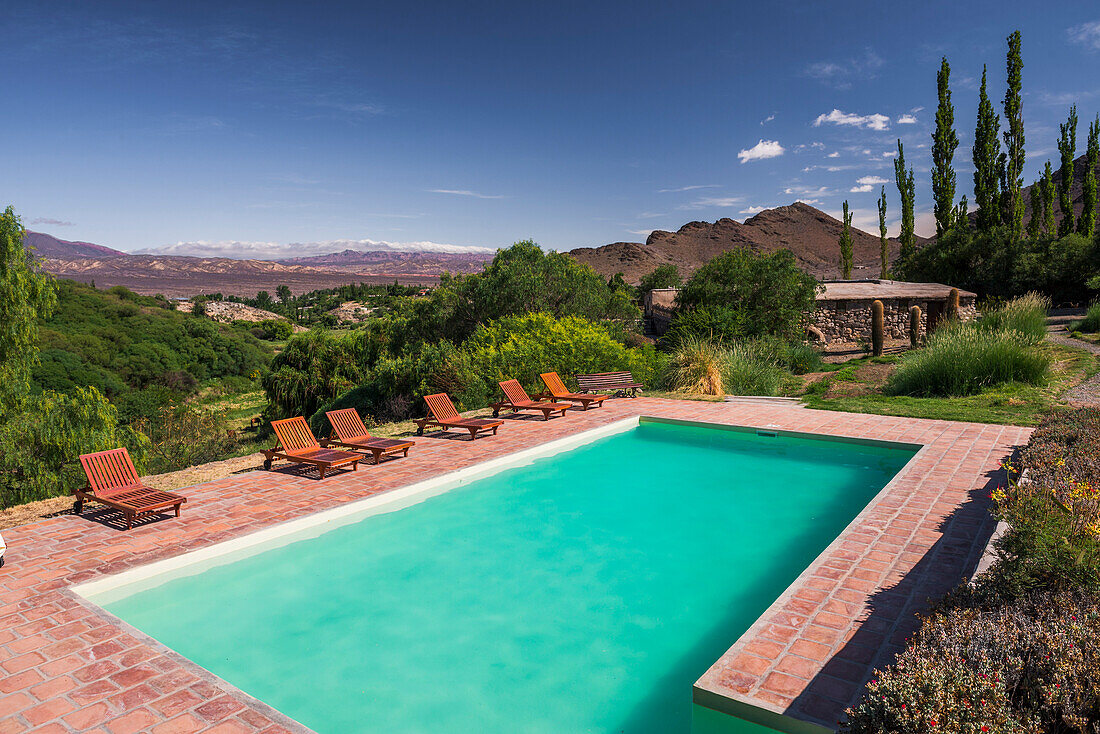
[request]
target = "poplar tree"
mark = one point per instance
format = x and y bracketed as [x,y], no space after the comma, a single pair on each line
[1067,146]
[1087,224]
[907,194]
[1012,200]
[944,143]
[884,251]
[1035,222]
[846,244]
[986,150]
[1049,225]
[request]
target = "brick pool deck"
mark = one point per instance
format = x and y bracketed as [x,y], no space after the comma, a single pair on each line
[67,667]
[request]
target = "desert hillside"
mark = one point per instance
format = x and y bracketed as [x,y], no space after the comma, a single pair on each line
[809,233]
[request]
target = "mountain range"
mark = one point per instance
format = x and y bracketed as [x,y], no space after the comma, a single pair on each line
[809,233]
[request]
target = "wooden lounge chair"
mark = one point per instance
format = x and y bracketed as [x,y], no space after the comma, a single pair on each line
[298,445]
[555,389]
[113,481]
[444,415]
[516,399]
[616,382]
[352,434]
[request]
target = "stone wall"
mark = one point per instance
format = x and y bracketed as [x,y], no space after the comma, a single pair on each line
[850,320]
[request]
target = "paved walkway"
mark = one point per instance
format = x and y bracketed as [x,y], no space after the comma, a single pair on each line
[67,667]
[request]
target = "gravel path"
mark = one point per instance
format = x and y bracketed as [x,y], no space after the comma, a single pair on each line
[1088,392]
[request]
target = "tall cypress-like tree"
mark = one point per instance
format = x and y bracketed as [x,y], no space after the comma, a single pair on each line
[1035,222]
[846,244]
[1050,227]
[1087,224]
[1067,146]
[884,243]
[944,143]
[986,150]
[1012,200]
[907,194]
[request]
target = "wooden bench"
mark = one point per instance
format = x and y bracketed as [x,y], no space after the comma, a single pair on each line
[618,383]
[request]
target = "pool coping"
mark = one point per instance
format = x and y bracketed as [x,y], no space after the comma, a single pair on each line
[62,664]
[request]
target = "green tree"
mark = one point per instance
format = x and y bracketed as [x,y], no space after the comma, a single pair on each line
[985,153]
[907,194]
[263,300]
[1035,222]
[846,244]
[1014,156]
[663,276]
[1087,224]
[283,293]
[884,243]
[1049,225]
[26,294]
[1067,147]
[743,294]
[944,143]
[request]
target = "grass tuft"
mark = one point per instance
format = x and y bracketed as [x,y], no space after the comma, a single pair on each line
[1025,315]
[1091,323]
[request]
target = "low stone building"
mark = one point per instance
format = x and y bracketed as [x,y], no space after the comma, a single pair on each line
[843,312]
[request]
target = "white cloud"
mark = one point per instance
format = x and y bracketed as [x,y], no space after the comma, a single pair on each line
[712,202]
[753,210]
[1087,34]
[465,192]
[811,202]
[49,221]
[907,120]
[874,121]
[276,250]
[890,154]
[834,154]
[760,151]
[641,232]
[841,74]
[768,119]
[687,188]
[867,184]
[807,191]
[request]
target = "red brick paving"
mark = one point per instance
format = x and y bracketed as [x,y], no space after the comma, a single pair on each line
[66,668]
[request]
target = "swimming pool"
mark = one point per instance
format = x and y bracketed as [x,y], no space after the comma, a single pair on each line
[584,591]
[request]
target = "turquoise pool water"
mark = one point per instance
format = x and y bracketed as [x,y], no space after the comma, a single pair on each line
[584,592]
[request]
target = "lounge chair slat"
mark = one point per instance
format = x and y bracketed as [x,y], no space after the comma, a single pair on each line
[516,399]
[444,415]
[556,389]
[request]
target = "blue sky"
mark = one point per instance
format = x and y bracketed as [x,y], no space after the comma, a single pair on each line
[269,129]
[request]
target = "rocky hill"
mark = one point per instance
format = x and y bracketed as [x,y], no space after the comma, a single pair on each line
[809,233]
[422,262]
[1077,191]
[49,246]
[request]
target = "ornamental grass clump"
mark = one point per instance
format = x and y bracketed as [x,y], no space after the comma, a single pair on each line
[748,367]
[696,367]
[1026,315]
[1091,323]
[963,359]
[1030,666]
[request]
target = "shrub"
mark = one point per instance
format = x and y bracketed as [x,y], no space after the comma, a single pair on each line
[663,276]
[1053,540]
[183,435]
[313,369]
[746,295]
[272,330]
[1026,315]
[963,359]
[1091,323]
[41,438]
[1033,665]
[521,347]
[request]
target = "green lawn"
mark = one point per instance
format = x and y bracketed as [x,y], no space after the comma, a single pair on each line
[857,389]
